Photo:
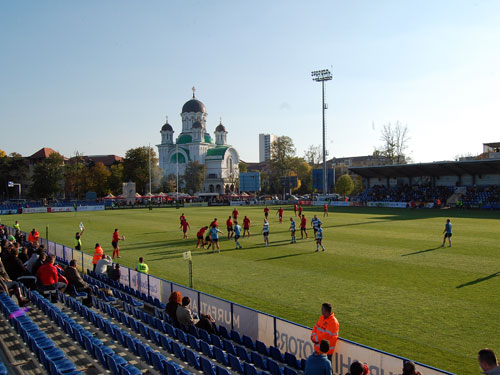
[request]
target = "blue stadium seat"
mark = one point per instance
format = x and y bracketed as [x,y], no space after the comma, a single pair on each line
[229,347]
[248,342]
[166,343]
[130,370]
[221,371]
[206,349]
[193,359]
[220,356]
[235,336]
[250,369]
[224,333]
[207,367]
[289,371]
[205,336]
[292,361]
[194,343]
[258,361]
[144,351]
[179,351]
[262,348]
[194,331]
[181,335]
[274,367]
[276,354]
[235,364]
[216,341]
[173,368]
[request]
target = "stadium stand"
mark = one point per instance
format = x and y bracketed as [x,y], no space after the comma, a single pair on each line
[405,193]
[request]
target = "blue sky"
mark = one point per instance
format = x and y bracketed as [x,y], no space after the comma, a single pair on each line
[99,77]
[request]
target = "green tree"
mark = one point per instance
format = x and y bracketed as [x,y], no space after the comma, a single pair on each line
[75,176]
[194,176]
[99,176]
[12,168]
[169,183]
[395,140]
[281,164]
[314,155]
[48,175]
[303,170]
[242,166]
[344,185]
[136,167]
[115,179]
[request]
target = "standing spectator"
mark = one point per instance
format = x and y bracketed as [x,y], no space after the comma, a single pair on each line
[185,315]
[17,226]
[358,368]
[115,273]
[141,266]
[174,301]
[98,254]
[318,363]
[48,276]
[488,362]
[102,265]
[6,285]
[33,238]
[327,328]
[74,278]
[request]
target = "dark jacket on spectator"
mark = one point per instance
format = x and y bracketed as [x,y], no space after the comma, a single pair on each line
[74,278]
[114,274]
[15,267]
[171,310]
[206,324]
[36,266]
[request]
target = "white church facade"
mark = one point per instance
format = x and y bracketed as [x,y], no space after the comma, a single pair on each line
[194,143]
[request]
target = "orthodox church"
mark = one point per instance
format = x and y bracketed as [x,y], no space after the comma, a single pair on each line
[194,143]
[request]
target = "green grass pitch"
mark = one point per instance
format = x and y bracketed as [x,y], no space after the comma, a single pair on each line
[391,284]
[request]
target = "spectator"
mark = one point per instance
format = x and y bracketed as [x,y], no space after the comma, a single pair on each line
[40,261]
[488,362]
[14,266]
[102,264]
[31,261]
[74,278]
[48,276]
[23,255]
[174,301]
[33,238]
[206,322]
[318,362]
[115,274]
[98,254]
[141,266]
[358,368]
[410,369]
[7,285]
[185,315]
[327,328]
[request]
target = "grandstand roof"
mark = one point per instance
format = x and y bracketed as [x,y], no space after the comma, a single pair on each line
[436,169]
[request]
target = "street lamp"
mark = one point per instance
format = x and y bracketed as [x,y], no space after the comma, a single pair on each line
[322,76]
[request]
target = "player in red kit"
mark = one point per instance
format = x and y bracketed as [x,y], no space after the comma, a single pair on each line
[185,226]
[280,214]
[246,226]
[266,212]
[325,210]
[295,208]
[303,227]
[235,214]
[200,235]
[300,210]
[229,225]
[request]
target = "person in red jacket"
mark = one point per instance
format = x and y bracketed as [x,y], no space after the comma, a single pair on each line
[246,226]
[266,212]
[325,210]
[48,276]
[303,227]
[33,237]
[327,328]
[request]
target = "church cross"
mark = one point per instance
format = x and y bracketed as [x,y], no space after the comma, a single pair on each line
[194,90]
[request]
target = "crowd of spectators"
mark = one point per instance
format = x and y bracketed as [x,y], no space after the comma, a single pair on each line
[406,193]
[481,195]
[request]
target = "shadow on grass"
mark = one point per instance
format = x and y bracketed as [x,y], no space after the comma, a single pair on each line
[284,256]
[480,280]
[422,251]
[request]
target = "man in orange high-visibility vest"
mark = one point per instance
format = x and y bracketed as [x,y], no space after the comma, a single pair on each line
[327,328]
[99,252]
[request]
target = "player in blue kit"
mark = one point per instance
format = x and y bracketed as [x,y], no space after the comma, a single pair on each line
[293,229]
[237,234]
[319,238]
[447,233]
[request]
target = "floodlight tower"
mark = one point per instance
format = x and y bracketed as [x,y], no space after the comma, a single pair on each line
[323,76]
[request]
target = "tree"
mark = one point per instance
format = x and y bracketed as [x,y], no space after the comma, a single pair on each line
[75,176]
[314,155]
[303,171]
[136,167]
[12,168]
[344,185]
[99,176]
[281,164]
[115,179]
[242,167]
[48,177]
[169,183]
[194,176]
[395,140]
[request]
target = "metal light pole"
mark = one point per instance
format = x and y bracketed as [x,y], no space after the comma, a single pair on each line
[177,175]
[149,165]
[322,76]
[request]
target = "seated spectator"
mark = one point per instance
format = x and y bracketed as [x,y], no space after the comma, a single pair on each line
[42,258]
[318,363]
[488,362]
[185,315]
[358,368]
[31,261]
[7,286]
[74,278]
[206,322]
[174,301]
[102,264]
[14,266]
[23,255]
[115,273]
[49,277]
[410,369]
